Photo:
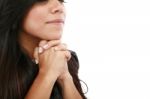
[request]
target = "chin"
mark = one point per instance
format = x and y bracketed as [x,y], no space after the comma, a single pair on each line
[54,37]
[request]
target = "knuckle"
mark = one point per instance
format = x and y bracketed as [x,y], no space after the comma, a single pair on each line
[42,42]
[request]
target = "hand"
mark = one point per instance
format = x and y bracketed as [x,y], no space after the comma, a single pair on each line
[52,57]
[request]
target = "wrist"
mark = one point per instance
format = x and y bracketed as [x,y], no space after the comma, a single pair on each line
[65,79]
[47,76]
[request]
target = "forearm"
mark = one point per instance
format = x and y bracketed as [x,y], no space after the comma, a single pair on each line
[69,90]
[41,87]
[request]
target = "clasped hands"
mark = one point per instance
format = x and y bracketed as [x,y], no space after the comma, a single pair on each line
[52,57]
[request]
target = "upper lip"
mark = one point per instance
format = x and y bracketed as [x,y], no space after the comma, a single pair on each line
[56,21]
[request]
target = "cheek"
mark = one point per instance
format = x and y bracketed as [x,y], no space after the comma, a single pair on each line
[34,21]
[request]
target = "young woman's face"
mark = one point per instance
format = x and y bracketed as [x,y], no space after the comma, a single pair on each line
[45,20]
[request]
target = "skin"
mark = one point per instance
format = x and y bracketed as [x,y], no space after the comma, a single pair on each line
[42,42]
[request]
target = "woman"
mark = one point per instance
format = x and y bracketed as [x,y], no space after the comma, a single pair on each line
[34,64]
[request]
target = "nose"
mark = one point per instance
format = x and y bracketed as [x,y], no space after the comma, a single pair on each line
[56,6]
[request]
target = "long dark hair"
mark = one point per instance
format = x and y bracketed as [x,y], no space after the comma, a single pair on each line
[17,70]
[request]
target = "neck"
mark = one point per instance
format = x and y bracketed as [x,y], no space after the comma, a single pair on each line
[28,43]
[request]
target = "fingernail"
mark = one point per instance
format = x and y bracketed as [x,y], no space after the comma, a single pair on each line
[36,61]
[46,46]
[40,50]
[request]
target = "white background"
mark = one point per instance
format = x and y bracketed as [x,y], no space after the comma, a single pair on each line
[112,41]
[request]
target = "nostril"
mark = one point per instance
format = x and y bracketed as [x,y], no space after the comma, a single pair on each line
[57,10]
